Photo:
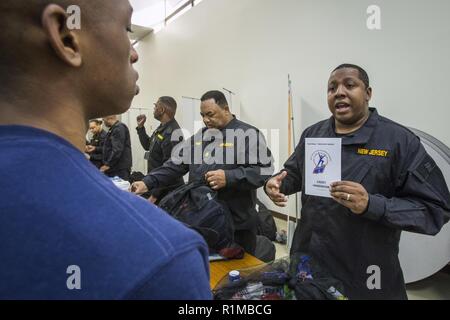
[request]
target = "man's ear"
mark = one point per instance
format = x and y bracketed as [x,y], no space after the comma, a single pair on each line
[369,94]
[63,41]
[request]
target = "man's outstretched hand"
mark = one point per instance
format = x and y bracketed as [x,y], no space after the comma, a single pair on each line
[273,190]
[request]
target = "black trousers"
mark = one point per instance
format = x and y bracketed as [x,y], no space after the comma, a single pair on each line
[246,239]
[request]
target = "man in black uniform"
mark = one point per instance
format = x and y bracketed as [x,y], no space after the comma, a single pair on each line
[159,146]
[230,155]
[389,184]
[95,147]
[117,159]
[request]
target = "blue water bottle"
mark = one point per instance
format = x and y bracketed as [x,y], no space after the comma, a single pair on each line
[234,276]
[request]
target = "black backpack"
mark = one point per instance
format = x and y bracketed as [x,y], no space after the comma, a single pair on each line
[265,249]
[197,206]
[266,222]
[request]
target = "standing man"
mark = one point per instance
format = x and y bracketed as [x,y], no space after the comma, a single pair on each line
[389,184]
[159,146]
[68,233]
[230,156]
[95,147]
[117,159]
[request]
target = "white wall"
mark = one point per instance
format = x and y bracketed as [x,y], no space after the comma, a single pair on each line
[249,46]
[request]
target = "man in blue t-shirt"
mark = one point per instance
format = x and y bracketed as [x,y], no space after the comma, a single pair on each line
[66,232]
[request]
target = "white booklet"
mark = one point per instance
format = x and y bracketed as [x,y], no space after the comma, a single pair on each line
[322,164]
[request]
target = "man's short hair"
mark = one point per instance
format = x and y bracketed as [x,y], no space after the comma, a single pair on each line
[13,39]
[363,76]
[170,103]
[218,97]
[96,121]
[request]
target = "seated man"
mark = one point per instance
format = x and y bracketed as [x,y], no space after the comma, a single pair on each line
[66,231]
[389,184]
[230,156]
[95,147]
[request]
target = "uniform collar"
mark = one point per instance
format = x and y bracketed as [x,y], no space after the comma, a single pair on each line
[163,127]
[232,123]
[363,135]
[114,125]
[100,134]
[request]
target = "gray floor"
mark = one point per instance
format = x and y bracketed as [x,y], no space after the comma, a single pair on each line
[436,287]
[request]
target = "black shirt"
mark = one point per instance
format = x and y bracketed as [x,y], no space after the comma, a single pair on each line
[160,144]
[407,191]
[244,173]
[117,148]
[98,141]
[159,150]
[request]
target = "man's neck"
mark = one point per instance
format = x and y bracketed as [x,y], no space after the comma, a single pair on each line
[65,121]
[229,119]
[342,128]
[165,120]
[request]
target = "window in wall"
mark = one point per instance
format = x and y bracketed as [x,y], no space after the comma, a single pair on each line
[181,7]
[157,14]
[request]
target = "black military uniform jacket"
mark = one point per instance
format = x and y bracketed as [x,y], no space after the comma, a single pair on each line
[243,177]
[407,192]
[117,148]
[97,141]
[159,150]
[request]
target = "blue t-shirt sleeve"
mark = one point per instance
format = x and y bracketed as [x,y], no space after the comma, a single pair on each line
[185,277]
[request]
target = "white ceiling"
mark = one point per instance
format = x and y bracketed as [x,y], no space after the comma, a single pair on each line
[151,13]
[141,4]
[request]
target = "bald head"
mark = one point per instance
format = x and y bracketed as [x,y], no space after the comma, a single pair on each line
[23,39]
[92,65]
[23,30]
[51,72]
[17,15]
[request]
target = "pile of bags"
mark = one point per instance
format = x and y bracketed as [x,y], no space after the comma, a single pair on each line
[298,278]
